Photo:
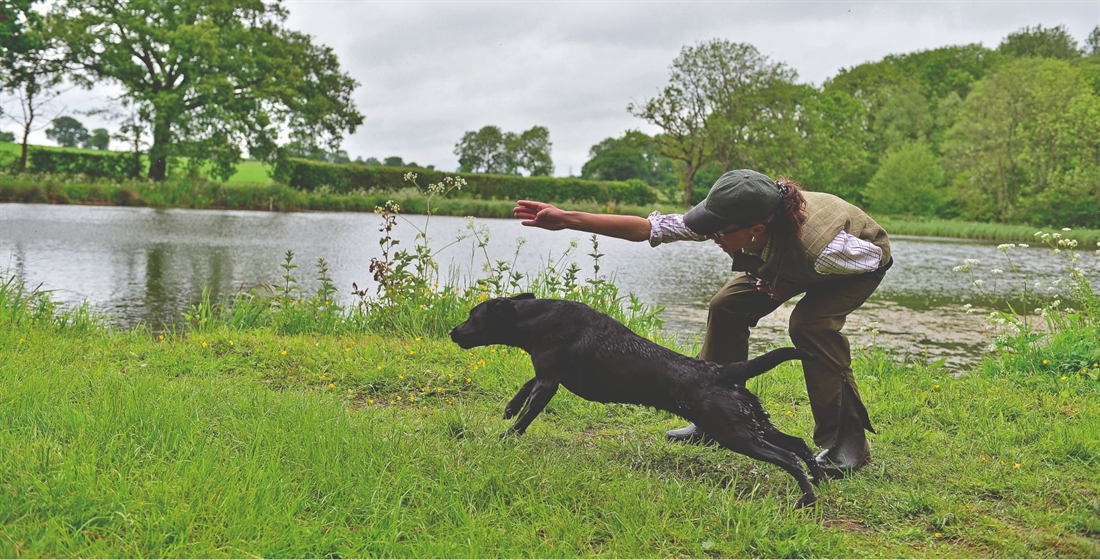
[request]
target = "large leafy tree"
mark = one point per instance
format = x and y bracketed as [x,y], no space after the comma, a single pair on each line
[99,139]
[30,68]
[214,76]
[634,155]
[67,132]
[725,103]
[1041,42]
[1025,134]
[489,150]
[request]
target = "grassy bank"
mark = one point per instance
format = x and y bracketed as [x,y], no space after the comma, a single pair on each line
[282,425]
[237,194]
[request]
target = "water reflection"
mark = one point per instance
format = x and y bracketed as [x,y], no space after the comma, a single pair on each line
[149,266]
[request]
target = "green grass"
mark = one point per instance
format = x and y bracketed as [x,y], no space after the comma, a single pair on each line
[243,444]
[279,425]
[248,171]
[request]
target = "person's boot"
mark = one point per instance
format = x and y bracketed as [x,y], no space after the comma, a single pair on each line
[849,454]
[690,434]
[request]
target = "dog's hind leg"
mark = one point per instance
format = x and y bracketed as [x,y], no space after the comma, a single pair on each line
[797,446]
[763,450]
[520,399]
[541,393]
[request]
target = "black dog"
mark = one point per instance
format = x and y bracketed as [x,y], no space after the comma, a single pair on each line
[599,359]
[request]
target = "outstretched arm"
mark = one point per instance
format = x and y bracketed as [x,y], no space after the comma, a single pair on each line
[548,216]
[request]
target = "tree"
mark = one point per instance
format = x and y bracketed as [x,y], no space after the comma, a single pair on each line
[211,75]
[394,161]
[833,157]
[29,66]
[482,151]
[634,155]
[1092,44]
[67,132]
[1049,42]
[6,136]
[491,151]
[530,150]
[909,181]
[1010,144]
[727,103]
[99,139]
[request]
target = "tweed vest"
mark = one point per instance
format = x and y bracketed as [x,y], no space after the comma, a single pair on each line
[792,262]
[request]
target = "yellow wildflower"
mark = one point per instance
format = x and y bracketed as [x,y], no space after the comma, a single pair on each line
[284,352]
[204,344]
[331,385]
[1045,362]
[231,343]
[1016,466]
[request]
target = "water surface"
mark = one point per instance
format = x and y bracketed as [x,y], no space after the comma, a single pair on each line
[143,265]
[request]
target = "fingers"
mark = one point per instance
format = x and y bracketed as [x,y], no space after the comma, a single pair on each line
[528,209]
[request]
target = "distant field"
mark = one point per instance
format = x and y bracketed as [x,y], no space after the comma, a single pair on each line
[249,171]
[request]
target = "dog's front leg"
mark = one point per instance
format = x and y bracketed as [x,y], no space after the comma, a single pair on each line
[520,399]
[541,393]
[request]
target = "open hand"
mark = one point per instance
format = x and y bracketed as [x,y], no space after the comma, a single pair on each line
[539,214]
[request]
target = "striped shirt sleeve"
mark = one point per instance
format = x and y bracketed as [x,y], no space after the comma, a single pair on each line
[848,254]
[666,228]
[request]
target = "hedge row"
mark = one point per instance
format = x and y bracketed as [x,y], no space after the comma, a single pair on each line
[343,178]
[108,165]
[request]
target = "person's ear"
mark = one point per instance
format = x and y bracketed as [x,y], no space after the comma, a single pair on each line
[758,230]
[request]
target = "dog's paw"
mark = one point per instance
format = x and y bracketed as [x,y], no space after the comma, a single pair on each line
[807,499]
[510,411]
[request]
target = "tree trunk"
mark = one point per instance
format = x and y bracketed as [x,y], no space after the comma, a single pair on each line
[689,180]
[158,152]
[23,154]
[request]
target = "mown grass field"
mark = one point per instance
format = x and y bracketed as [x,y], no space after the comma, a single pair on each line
[248,171]
[323,434]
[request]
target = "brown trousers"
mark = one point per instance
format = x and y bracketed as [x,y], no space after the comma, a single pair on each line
[815,326]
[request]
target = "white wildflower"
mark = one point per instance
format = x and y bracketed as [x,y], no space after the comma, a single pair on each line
[1066,229]
[978,282]
[996,271]
[1006,246]
[1023,245]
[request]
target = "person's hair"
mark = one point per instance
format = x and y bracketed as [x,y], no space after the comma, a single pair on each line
[788,220]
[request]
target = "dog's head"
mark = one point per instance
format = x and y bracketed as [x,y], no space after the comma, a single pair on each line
[490,322]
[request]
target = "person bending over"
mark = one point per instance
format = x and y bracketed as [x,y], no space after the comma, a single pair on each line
[784,241]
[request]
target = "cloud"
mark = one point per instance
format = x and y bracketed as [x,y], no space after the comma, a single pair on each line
[430,71]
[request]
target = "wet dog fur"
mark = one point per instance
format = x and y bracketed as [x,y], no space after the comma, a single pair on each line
[600,359]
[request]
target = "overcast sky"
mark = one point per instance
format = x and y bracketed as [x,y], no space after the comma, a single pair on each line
[430,71]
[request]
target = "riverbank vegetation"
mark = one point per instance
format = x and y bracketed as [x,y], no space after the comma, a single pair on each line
[282,424]
[268,196]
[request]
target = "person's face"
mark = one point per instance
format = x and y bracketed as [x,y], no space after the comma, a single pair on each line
[735,237]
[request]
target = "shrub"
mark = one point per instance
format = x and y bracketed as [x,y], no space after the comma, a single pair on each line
[343,178]
[112,165]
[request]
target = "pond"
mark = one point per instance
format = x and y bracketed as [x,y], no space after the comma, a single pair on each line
[143,265]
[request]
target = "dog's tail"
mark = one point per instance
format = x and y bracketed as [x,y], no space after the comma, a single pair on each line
[740,372]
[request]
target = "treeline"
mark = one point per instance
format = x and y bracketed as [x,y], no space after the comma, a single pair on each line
[1010,134]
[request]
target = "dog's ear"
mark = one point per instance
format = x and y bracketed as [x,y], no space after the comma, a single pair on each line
[523,296]
[504,308]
